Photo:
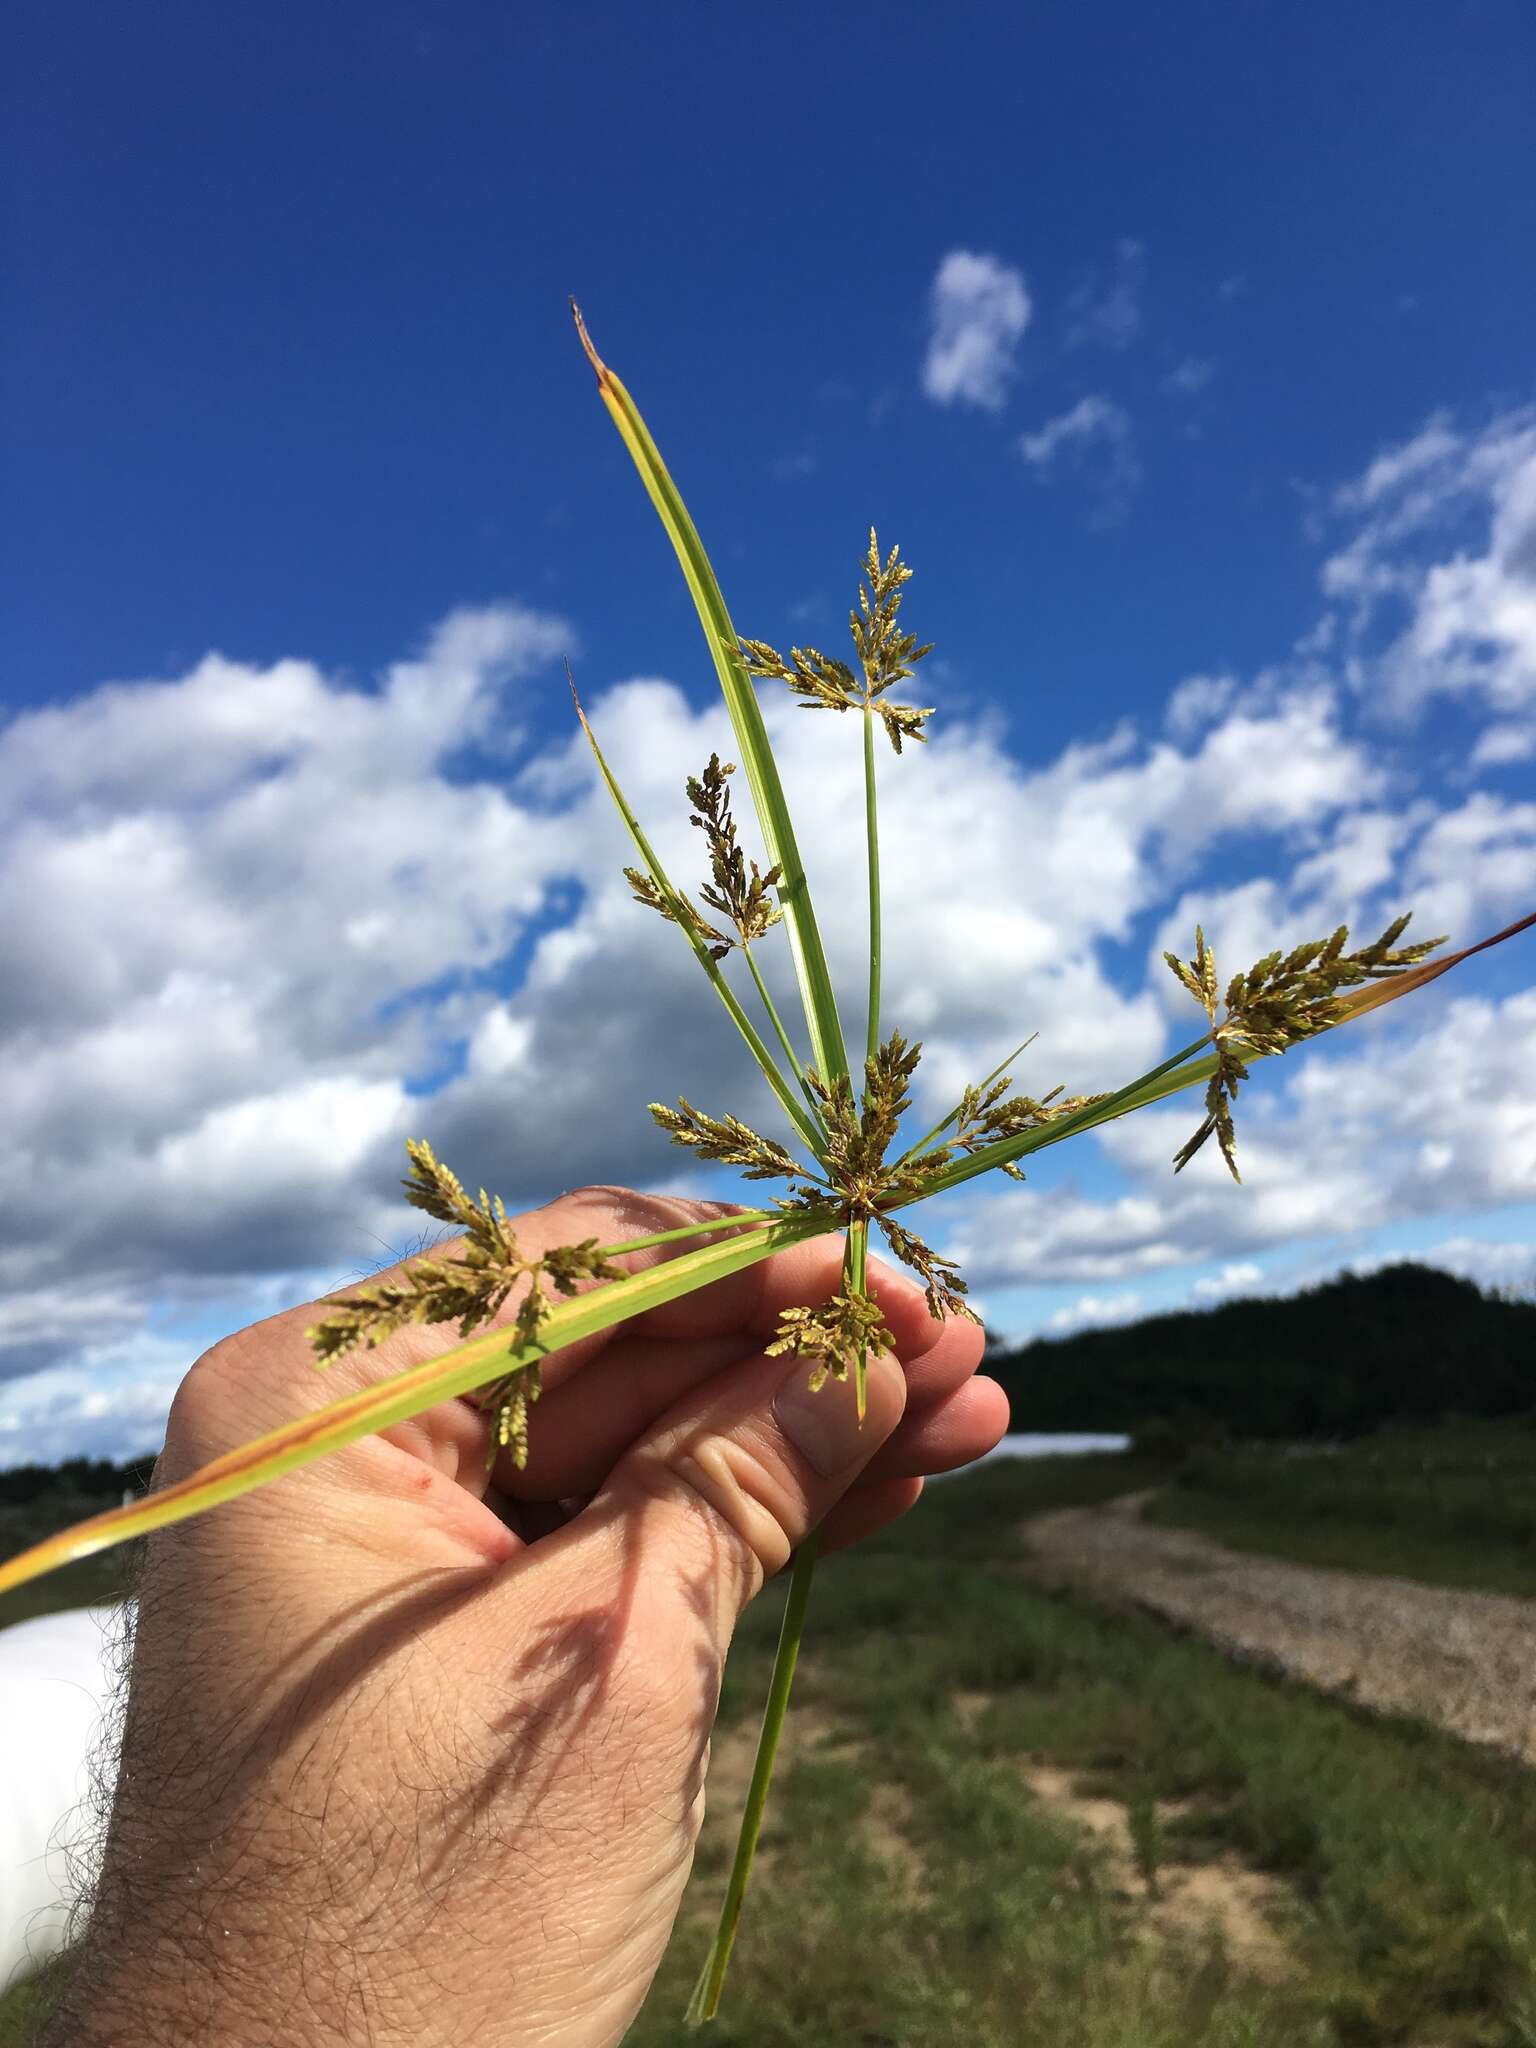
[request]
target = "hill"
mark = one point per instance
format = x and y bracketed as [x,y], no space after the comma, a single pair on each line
[1406,1344]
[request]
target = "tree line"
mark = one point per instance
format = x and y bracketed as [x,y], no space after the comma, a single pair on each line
[91,1478]
[1405,1344]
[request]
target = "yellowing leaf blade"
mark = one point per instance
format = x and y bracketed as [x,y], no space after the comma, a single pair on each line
[483,1359]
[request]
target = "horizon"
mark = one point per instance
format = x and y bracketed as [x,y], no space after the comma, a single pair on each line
[1006,1352]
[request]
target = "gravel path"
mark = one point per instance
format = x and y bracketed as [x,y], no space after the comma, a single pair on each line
[1464,1660]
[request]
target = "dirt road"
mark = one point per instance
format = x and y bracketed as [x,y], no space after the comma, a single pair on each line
[1464,1660]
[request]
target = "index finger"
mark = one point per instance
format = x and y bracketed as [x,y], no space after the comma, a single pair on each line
[268,1372]
[749,1303]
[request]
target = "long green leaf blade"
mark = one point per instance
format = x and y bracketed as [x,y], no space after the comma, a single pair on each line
[370,1409]
[828,1054]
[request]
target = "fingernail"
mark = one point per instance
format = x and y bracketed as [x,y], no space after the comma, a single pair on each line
[824,1426]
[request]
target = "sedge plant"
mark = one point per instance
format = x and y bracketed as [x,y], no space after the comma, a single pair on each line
[841,1165]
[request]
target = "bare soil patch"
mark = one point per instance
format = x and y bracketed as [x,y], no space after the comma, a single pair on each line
[1185,1901]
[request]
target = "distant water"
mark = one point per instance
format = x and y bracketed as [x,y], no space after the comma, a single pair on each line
[1055,1444]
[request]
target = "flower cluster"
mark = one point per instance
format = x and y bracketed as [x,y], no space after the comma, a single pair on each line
[834,1337]
[1281,1000]
[737,890]
[467,1289]
[886,655]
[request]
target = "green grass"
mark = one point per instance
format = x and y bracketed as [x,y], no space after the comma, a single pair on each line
[914,1892]
[25,2007]
[1454,1506]
[1405,1862]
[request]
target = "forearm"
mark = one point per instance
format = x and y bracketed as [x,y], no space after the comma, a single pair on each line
[238,1875]
[173,1983]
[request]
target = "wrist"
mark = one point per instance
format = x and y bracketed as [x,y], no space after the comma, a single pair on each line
[310,1911]
[176,1953]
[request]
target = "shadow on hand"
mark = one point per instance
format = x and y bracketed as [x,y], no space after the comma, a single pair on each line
[475,1755]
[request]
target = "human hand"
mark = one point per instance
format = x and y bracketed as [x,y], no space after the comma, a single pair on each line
[412,1760]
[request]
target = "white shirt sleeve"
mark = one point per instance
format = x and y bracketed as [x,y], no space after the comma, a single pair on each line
[56,1689]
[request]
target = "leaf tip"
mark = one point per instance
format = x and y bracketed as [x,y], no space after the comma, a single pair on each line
[586,341]
[570,677]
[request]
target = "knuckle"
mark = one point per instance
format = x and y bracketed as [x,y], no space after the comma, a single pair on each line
[739,1492]
[238,1387]
[198,1404]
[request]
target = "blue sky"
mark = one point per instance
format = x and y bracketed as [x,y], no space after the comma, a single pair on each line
[1187,353]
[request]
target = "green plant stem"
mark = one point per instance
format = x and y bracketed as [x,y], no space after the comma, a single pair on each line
[784,1039]
[711,1979]
[941,1127]
[705,2002]
[872,839]
[856,1272]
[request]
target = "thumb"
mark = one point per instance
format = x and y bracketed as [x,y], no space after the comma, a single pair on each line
[735,1477]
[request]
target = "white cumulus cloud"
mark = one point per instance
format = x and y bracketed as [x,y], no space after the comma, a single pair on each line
[1095,1311]
[1444,560]
[1238,1276]
[1095,418]
[978,309]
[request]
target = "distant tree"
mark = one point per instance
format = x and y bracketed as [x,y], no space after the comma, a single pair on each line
[1408,1343]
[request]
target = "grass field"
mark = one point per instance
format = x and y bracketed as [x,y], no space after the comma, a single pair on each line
[1007,1818]
[1454,1506]
[1006,1811]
